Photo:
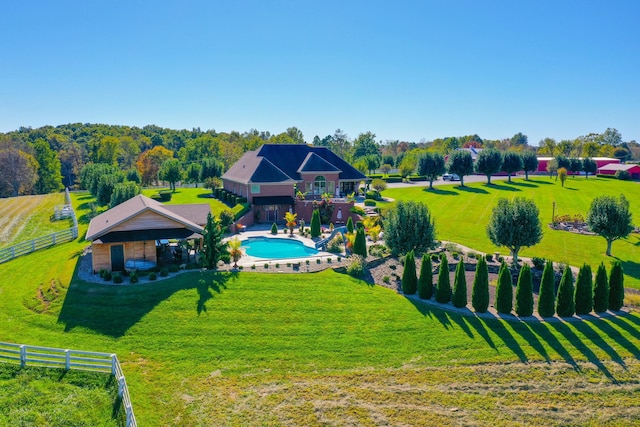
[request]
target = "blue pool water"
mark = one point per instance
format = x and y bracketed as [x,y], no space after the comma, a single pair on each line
[262,247]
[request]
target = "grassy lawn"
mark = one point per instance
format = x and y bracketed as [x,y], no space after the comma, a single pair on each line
[192,195]
[461,215]
[208,348]
[25,218]
[51,397]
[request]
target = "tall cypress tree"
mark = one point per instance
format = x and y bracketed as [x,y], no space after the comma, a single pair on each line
[524,292]
[480,291]
[214,249]
[504,290]
[315,223]
[547,293]
[443,289]
[349,225]
[409,279]
[360,244]
[616,286]
[565,305]
[460,287]
[601,290]
[425,282]
[584,290]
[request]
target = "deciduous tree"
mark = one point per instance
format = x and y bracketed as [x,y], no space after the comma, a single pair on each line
[408,226]
[529,162]
[489,162]
[589,166]
[431,165]
[171,171]
[515,224]
[610,218]
[460,163]
[49,175]
[19,172]
[511,163]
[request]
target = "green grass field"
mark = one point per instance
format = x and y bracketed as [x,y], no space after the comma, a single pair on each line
[192,195]
[323,348]
[461,215]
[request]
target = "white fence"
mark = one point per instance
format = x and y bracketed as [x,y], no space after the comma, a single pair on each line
[28,355]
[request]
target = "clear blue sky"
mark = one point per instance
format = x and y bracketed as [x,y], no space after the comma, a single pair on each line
[407,70]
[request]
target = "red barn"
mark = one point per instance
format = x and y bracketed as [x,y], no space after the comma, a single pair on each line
[600,162]
[612,168]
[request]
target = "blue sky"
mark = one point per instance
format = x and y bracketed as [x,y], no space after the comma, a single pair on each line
[407,70]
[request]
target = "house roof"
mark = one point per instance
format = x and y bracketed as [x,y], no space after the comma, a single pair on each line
[618,167]
[283,163]
[188,216]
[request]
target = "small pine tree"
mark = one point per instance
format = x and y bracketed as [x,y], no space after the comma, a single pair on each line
[565,306]
[524,292]
[601,290]
[616,286]
[443,289]
[584,290]
[460,287]
[315,223]
[349,225]
[504,290]
[360,244]
[409,279]
[425,282]
[547,293]
[480,292]
[274,229]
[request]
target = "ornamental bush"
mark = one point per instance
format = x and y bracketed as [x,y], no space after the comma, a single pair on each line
[524,292]
[360,244]
[480,291]
[408,225]
[349,225]
[616,286]
[460,287]
[565,305]
[443,289]
[356,266]
[601,290]
[583,296]
[425,282]
[315,223]
[504,290]
[547,293]
[409,279]
[274,229]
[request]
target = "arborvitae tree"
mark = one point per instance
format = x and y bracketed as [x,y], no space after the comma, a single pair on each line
[480,291]
[524,292]
[274,229]
[214,249]
[315,223]
[504,290]
[425,282]
[547,293]
[565,306]
[360,245]
[460,287]
[584,290]
[409,279]
[443,289]
[601,290]
[616,286]
[349,225]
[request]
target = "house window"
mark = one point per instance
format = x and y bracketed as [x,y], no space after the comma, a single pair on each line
[319,185]
[255,188]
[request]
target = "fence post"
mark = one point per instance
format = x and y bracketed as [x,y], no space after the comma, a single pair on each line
[67,360]
[54,239]
[121,384]
[114,363]
[23,356]
[33,245]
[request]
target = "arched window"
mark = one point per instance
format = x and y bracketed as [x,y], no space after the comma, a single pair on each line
[320,185]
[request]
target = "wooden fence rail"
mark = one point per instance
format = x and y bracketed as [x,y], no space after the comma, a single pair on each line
[47,357]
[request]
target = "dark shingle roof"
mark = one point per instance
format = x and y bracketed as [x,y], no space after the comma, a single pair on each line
[315,163]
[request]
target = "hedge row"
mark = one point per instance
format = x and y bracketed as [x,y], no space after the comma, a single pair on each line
[228,197]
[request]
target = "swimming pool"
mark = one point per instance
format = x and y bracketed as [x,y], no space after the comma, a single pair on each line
[274,248]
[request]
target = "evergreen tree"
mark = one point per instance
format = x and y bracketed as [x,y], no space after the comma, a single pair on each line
[547,293]
[214,249]
[360,245]
[460,287]
[409,279]
[601,290]
[274,228]
[524,292]
[315,223]
[349,225]
[616,286]
[584,290]
[443,289]
[408,225]
[565,306]
[480,292]
[425,283]
[504,290]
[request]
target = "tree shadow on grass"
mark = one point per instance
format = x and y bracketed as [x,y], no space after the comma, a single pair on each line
[501,330]
[543,331]
[587,330]
[620,321]
[112,310]
[440,192]
[615,335]
[479,325]
[472,189]
[432,312]
[526,332]
[631,317]
[528,184]
[503,187]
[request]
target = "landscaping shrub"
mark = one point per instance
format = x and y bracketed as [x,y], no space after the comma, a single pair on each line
[266,265]
[386,279]
[133,277]
[480,290]
[489,257]
[173,268]
[408,225]
[274,229]
[409,279]
[369,202]
[601,290]
[164,272]
[425,282]
[372,195]
[443,289]
[460,287]
[315,223]
[623,175]
[524,292]
[349,225]
[538,263]
[565,305]
[335,245]
[153,276]
[435,258]
[504,290]
[583,296]
[253,267]
[117,278]
[616,286]
[318,261]
[547,293]
[107,276]
[277,265]
[356,266]
[360,244]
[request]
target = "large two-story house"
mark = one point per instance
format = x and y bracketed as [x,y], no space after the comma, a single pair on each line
[270,177]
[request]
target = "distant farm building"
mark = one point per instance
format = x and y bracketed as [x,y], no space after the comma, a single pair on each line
[600,162]
[612,168]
